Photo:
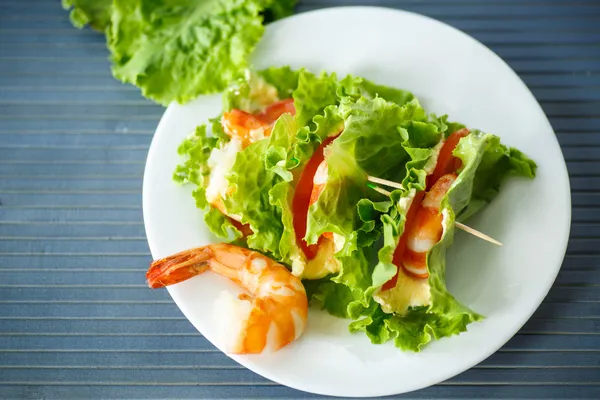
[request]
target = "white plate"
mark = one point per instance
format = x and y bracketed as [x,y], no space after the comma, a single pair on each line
[450,73]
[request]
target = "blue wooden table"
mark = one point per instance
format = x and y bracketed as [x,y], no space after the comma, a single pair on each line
[76,317]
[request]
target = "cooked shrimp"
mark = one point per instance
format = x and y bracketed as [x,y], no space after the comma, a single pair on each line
[446,162]
[271,315]
[426,229]
[244,129]
[249,128]
[238,124]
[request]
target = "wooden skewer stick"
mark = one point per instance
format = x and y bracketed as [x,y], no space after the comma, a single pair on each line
[380,190]
[459,225]
[384,182]
[474,232]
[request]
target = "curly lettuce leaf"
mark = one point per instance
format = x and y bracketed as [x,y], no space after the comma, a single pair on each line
[222,227]
[357,87]
[413,327]
[293,159]
[177,51]
[196,150]
[314,93]
[257,170]
[258,89]
[316,100]
[413,331]
[95,13]
[284,79]
[194,170]
[380,139]
[498,162]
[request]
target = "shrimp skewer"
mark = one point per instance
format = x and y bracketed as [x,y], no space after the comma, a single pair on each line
[270,315]
[244,129]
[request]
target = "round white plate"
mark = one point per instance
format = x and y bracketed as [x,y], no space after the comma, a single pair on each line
[450,73]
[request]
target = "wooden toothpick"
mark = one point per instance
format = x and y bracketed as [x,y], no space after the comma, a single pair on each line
[380,190]
[459,225]
[475,232]
[384,182]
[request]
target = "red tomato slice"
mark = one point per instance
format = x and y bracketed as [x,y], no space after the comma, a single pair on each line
[275,110]
[446,162]
[302,196]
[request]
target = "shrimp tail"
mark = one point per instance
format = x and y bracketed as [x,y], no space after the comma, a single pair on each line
[179,267]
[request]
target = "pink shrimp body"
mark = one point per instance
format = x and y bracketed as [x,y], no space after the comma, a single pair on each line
[273,313]
[244,129]
[248,127]
[426,230]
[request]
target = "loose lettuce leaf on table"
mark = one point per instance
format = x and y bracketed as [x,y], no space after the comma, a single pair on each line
[96,13]
[176,51]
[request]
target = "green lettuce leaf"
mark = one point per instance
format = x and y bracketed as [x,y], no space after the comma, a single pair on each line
[195,151]
[413,331]
[257,170]
[284,79]
[357,87]
[411,328]
[313,94]
[222,227]
[178,51]
[96,13]
[294,158]
[380,139]
[498,162]
[258,89]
